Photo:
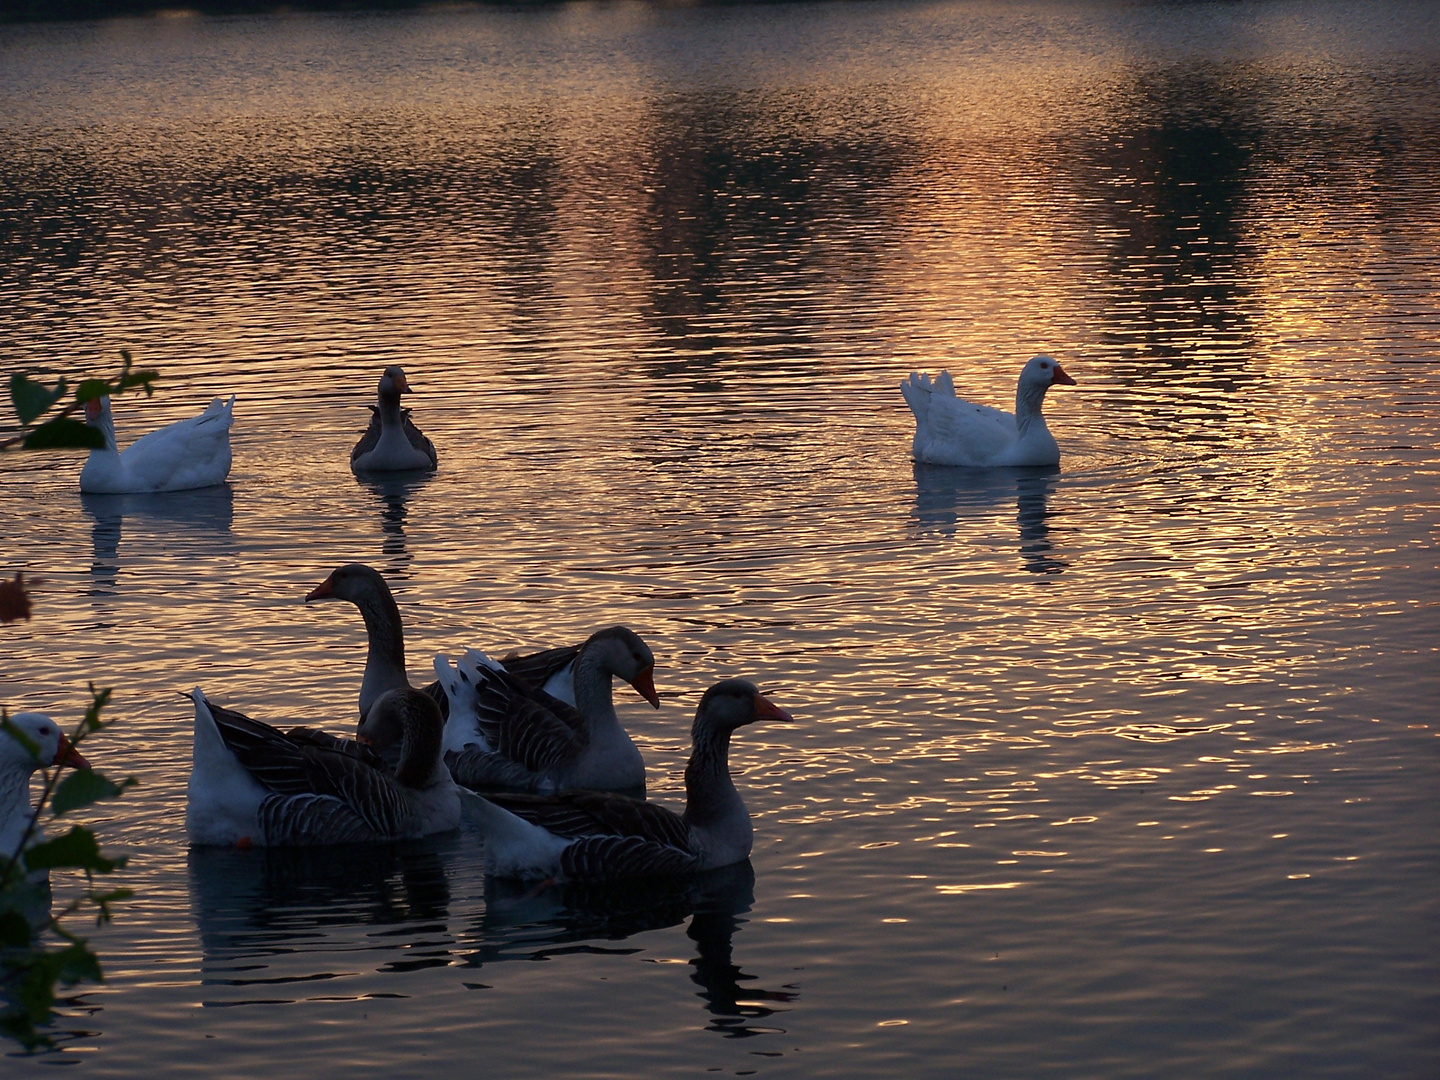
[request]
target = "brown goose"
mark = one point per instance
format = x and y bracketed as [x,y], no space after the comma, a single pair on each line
[596,836]
[392,442]
[253,784]
[503,731]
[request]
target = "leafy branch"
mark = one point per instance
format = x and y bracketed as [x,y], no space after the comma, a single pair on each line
[32,399]
[29,969]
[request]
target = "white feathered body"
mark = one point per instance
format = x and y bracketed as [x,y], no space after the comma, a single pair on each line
[952,431]
[187,454]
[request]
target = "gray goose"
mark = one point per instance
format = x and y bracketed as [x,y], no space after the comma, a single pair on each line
[392,442]
[600,836]
[501,730]
[251,783]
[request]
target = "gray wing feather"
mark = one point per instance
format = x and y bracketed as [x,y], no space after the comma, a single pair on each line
[603,858]
[312,819]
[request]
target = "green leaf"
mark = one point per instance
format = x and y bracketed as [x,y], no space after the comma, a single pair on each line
[77,849]
[14,930]
[91,389]
[62,433]
[83,787]
[77,964]
[32,399]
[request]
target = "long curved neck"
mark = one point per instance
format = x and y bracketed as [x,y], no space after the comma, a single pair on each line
[419,750]
[594,694]
[390,415]
[15,808]
[1029,397]
[385,657]
[710,795]
[105,424]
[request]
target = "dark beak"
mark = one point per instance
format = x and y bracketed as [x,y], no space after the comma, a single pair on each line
[1061,378]
[644,685]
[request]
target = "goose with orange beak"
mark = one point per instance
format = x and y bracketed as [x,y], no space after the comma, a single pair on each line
[605,836]
[392,442]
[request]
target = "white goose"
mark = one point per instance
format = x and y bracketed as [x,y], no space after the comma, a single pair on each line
[253,784]
[528,739]
[597,836]
[187,454]
[952,431]
[392,443]
[17,763]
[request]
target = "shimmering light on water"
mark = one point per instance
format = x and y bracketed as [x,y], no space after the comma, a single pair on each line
[1105,770]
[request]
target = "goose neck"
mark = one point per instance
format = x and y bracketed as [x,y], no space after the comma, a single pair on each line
[710,795]
[420,751]
[594,692]
[1029,398]
[385,655]
[390,413]
[15,809]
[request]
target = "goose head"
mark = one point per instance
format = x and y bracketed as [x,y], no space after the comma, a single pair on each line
[355,582]
[731,704]
[393,382]
[1044,372]
[48,745]
[99,417]
[620,651]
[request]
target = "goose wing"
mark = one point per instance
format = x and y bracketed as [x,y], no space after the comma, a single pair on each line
[305,768]
[417,438]
[536,668]
[371,438]
[576,814]
[524,724]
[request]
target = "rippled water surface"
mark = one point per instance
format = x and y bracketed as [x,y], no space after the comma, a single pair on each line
[1126,769]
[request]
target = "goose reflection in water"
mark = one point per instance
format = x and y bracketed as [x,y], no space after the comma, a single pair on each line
[270,917]
[525,921]
[185,523]
[393,491]
[945,497]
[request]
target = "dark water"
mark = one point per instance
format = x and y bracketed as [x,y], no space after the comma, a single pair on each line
[1126,769]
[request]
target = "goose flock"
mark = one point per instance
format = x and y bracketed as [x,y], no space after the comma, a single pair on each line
[532,742]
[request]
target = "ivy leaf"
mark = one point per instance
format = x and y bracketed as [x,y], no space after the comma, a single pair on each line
[77,849]
[83,787]
[90,389]
[31,398]
[62,433]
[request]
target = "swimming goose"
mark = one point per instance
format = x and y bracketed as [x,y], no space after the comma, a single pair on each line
[17,762]
[187,454]
[549,741]
[392,443]
[596,836]
[952,431]
[253,784]
[505,733]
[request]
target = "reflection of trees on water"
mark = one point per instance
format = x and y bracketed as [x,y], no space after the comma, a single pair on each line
[393,494]
[739,193]
[187,521]
[946,497]
[528,921]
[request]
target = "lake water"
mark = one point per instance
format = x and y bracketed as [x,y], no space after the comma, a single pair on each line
[1126,769]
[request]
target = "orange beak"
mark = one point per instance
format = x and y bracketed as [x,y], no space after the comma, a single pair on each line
[325,589]
[765,709]
[92,409]
[644,685]
[403,384]
[1061,378]
[65,754]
